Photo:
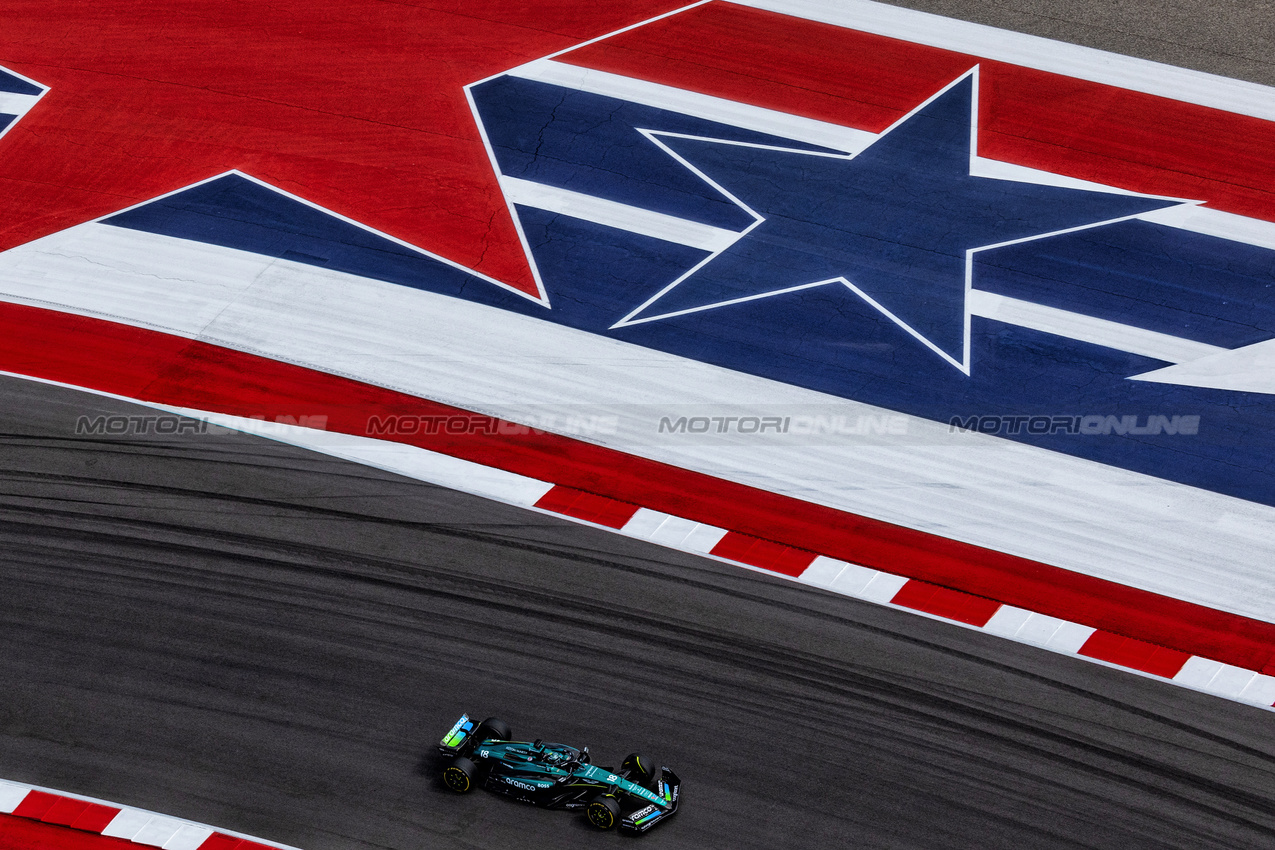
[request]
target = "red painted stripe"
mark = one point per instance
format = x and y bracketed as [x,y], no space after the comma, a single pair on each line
[587,506]
[64,811]
[35,804]
[778,62]
[156,367]
[18,833]
[1136,654]
[758,552]
[96,817]
[945,602]
[221,841]
[1049,121]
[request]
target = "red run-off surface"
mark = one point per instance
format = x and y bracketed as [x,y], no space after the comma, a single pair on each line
[601,485]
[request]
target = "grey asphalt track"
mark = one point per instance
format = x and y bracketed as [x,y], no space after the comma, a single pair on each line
[1233,38]
[230,630]
[238,632]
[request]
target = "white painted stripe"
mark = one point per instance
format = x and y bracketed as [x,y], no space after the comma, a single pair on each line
[997,170]
[880,587]
[11,795]
[1093,519]
[1038,629]
[157,831]
[644,523]
[1006,621]
[1231,681]
[687,534]
[1250,368]
[673,532]
[702,538]
[1077,326]
[16,104]
[855,580]
[706,237]
[1042,630]
[1211,222]
[755,118]
[614,214]
[823,571]
[188,837]
[1034,52]
[1069,637]
[1260,691]
[1198,672]
[128,823]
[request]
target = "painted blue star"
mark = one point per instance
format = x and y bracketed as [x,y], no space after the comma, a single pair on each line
[895,223]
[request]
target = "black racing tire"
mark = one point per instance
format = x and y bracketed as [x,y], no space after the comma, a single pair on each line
[641,770]
[493,729]
[459,775]
[603,812]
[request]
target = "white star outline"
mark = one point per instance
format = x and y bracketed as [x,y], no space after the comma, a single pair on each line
[978,167]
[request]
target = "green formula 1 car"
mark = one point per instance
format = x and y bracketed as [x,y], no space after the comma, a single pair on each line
[635,798]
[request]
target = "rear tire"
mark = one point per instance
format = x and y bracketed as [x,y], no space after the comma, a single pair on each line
[459,775]
[641,770]
[603,812]
[492,729]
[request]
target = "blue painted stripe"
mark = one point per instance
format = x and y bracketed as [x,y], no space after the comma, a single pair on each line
[1150,276]
[589,143]
[6,120]
[235,212]
[17,85]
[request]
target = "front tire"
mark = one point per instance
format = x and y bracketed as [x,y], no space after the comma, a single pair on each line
[603,812]
[459,775]
[493,729]
[641,770]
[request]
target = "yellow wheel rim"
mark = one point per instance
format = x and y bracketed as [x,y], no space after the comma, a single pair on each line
[456,779]
[600,816]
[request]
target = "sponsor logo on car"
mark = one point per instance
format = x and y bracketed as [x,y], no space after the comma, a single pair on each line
[458,732]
